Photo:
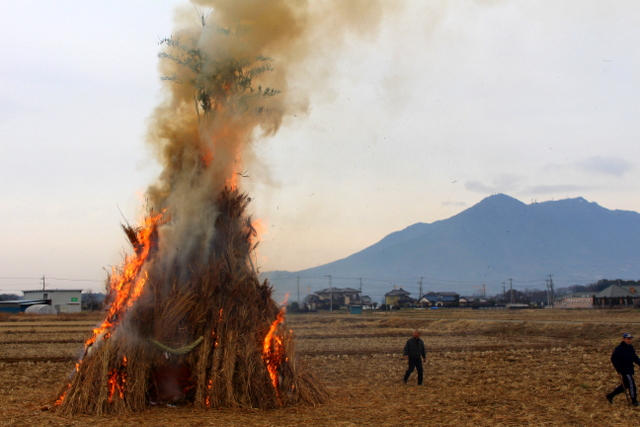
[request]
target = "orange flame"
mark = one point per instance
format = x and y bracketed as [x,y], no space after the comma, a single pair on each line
[126,287]
[117,380]
[112,382]
[273,350]
[207,400]
[62,396]
[231,182]
[207,157]
[260,228]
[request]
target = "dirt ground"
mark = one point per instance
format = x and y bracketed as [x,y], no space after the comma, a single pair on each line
[484,368]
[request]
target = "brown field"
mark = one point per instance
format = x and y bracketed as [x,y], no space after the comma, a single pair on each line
[484,368]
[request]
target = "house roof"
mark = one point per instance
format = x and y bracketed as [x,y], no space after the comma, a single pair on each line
[51,290]
[631,289]
[397,292]
[615,291]
[441,296]
[23,302]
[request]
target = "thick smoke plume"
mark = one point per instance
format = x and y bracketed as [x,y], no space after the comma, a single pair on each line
[226,73]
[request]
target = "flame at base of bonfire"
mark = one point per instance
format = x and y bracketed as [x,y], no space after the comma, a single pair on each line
[221,327]
[273,351]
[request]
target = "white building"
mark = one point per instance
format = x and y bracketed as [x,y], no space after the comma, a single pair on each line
[63,300]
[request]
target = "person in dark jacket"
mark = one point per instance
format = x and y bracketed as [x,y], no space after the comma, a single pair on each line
[623,358]
[414,352]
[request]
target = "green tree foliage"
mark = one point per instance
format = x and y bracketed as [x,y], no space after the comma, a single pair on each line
[224,82]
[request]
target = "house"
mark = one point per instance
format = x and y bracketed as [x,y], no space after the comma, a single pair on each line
[312,302]
[616,296]
[575,300]
[472,302]
[398,297]
[63,300]
[336,297]
[424,302]
[443,299]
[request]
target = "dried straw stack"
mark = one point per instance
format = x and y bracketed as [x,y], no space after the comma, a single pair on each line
[212,325]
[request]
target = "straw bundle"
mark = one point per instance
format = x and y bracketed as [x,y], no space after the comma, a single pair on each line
[199,340]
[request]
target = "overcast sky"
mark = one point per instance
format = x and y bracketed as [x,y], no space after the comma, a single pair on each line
[445,104]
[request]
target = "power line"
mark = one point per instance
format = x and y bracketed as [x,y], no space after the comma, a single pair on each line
[52,278]
[521,283]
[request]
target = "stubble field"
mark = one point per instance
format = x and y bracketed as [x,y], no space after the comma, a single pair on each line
[484,368]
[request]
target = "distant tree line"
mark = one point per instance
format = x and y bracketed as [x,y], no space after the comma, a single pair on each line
[92,301]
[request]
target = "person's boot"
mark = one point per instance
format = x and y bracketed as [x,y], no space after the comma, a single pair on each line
[634,402]
[610,397]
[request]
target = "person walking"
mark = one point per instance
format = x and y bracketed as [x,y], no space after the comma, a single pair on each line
[623,358]
[414,351]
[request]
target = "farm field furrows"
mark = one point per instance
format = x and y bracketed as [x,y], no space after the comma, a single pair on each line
[532,367]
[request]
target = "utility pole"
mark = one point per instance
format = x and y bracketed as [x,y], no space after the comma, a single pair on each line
[511,289]
[420,293]
[546,281]
[298,283]
[484,291]
[43,283]
[504,291]
[553,295]
[330,294]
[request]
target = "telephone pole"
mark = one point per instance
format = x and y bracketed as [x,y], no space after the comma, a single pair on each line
[504,291]
[511,289]
[298,283]
[551,290]
[546,281]
[43,285]
[420,293]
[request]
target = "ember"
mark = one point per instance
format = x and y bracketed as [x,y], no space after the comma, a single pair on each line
[188,320]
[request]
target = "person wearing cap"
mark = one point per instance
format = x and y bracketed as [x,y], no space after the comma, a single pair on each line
[414,352]
[623,358]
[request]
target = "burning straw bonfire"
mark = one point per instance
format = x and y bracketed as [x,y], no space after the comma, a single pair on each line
[188,320]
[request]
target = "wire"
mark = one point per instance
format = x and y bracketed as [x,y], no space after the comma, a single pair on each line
[52,278]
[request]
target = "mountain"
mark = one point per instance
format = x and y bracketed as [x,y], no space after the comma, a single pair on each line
[576,241]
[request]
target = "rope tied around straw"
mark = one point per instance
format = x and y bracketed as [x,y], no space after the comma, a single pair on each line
[180,351]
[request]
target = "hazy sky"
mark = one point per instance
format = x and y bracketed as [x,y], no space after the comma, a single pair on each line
[446,103]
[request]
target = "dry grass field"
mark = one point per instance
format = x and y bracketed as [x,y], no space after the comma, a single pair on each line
[484,368]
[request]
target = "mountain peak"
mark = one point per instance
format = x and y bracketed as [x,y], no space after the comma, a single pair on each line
[576,241]
[497,204]
[500,199]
